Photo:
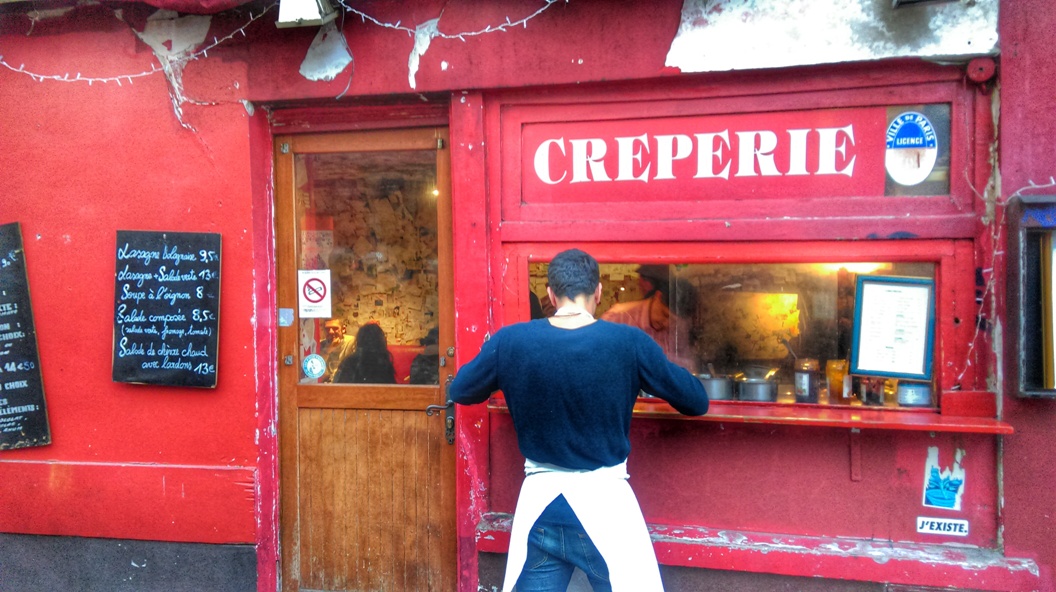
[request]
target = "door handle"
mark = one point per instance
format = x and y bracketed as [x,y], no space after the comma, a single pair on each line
[449,418]
[431,410]
[449,412]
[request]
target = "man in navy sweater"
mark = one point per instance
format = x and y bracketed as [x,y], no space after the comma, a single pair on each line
[570,383]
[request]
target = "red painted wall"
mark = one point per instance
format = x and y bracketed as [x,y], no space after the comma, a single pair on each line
[568,43]
[1027,141]
[752,479]
[79,163]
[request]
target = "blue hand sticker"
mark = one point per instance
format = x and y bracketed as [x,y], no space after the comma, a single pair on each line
[944,487]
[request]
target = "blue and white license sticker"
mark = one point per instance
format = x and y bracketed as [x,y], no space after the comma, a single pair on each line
[314,366]
[912,148]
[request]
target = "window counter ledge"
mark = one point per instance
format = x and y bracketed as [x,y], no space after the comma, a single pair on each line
[876,418]
[942,565]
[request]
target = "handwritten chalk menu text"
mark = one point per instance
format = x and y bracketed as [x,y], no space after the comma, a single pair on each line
[166,308]
[23,415]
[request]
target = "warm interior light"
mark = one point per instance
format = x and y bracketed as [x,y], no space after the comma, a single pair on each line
[855,267]
[436,192]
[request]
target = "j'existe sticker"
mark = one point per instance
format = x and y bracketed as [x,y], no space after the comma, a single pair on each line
[912,148]
[943,526]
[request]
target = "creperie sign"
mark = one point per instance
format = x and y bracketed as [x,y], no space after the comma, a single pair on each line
[713,154]
[791,154]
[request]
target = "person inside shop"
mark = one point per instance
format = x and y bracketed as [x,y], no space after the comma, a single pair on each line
[370,361]
[535,307]
[665,313]
[337,346]
[570,384]
[425,367]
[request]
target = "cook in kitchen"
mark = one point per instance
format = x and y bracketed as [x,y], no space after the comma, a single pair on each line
[665,312]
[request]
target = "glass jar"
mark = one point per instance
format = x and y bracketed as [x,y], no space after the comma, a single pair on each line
[835,372]
[807,381]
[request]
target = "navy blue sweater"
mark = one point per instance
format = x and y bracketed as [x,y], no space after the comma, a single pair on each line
[571,391]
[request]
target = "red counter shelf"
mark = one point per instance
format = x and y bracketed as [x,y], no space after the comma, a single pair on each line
[972,417]
[935,564]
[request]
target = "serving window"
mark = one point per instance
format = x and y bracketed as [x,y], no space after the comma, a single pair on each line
[743,321]
[778,322]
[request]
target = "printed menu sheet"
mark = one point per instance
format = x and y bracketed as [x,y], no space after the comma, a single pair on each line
[893,329]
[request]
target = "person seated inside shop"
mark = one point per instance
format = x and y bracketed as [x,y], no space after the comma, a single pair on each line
[336,347]
[370,361]
[665,312]
[425,368]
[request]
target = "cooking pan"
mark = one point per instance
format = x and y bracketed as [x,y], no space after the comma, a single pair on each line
[720,388]
[757,385]
[757,389]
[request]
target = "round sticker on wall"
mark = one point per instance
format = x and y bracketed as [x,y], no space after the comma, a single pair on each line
[911,148]
[314,366]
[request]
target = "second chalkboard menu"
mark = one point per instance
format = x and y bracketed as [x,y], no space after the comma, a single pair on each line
[167,308]
[23,414]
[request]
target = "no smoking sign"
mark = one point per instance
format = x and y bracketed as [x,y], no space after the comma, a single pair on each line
[313,294]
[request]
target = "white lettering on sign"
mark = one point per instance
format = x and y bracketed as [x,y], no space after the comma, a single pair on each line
[944,526]
[542,160]
[644,158]
[589,153]
[831,145]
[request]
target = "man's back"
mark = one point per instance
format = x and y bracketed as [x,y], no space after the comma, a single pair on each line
[571,391]
[570,383]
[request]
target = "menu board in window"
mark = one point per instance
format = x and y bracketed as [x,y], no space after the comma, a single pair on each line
[167,308]
[23,415]
[894,320]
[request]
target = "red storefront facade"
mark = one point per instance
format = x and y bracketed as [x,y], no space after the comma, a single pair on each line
[689,473]
[628,159]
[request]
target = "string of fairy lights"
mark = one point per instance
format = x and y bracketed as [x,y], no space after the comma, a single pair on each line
[217,41]
[160,67]
[523,22]
[172,65]
[997,223]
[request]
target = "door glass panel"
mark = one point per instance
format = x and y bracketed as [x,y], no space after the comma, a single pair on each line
[369,219]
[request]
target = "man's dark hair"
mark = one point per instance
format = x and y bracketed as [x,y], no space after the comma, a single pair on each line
[572,273]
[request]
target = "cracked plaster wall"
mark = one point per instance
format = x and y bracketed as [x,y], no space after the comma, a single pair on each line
[716,35]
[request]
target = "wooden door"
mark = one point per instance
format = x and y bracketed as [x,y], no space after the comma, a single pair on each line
[367,477]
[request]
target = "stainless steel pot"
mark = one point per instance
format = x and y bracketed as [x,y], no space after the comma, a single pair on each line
[720,388]
[757,389]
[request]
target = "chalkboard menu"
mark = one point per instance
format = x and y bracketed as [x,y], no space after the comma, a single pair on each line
[166,308]
[23,415]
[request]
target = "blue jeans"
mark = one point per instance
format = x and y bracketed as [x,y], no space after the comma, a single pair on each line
[554,551]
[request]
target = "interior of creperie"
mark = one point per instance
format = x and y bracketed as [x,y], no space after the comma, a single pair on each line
[746,316]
